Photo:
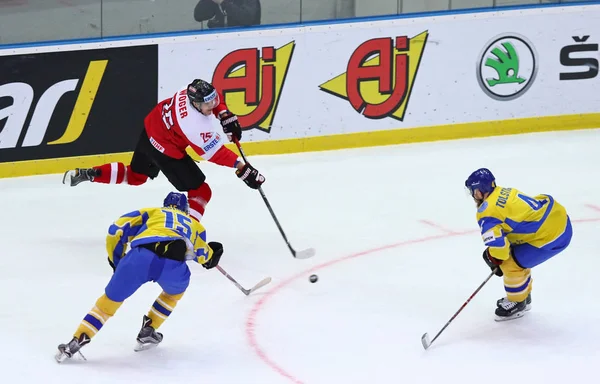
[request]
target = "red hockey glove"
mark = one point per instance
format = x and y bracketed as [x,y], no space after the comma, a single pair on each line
[492,262]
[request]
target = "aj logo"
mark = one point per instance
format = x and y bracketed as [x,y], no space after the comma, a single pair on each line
[251,82]
[23,96]
[380,76]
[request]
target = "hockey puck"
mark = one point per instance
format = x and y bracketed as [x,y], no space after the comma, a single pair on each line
[313,278]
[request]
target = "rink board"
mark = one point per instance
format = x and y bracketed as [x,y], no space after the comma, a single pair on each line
[310,88]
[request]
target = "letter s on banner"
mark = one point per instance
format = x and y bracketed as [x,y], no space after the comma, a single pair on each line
[591,62]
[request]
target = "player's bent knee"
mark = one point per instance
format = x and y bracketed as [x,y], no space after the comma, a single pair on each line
[198,199]
[107,305]
[177,296]
[202,194]
[173,298]
[134,178]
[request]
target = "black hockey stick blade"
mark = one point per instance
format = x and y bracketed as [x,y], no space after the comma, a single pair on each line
[425,340]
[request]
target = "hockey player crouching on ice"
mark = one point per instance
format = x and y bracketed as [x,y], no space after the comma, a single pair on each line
[161,241]
[174,124]
[520,232]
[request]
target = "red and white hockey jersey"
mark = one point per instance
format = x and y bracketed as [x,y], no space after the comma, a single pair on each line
[174,124]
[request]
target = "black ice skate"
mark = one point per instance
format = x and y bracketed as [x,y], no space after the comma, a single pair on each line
[79,175]
[509,310]
[148,337]
[66,351]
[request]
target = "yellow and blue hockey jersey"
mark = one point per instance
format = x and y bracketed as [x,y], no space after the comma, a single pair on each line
[507,216]
[151,225]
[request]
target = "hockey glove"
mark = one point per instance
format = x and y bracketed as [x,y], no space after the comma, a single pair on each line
[217,249]
[250,176]
[492,262]
[231,126]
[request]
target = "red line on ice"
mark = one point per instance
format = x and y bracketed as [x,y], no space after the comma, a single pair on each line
[438,226]
[594,207]
[251,320]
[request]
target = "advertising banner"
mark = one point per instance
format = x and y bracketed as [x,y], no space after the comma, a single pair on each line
[312,87]
[397,74]
[75,103]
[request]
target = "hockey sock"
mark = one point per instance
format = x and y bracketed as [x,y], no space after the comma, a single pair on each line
[162,308]
[517,280]
[198,199]
[93,322]
[117,173]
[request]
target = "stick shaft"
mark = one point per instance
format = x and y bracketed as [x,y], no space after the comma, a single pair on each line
[227,275]
[464,305]
[264,197]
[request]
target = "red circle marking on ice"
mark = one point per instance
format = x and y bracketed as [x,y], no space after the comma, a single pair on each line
[251,319]
[260,304]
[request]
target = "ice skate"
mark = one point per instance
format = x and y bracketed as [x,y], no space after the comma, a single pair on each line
[509,310]
[79,175]
[527,302]
[66,351]
[148,337]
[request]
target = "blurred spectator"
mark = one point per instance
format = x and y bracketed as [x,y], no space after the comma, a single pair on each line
[228,13]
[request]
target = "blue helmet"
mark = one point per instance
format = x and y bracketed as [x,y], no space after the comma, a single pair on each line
[177,200]
[481,179]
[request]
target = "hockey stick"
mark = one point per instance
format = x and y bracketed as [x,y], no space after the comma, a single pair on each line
[304,254]
[425,337]
[258,285]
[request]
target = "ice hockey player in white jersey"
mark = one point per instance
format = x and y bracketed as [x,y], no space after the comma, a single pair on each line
[183,120]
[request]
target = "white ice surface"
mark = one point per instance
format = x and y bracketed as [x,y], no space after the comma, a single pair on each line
[362,321]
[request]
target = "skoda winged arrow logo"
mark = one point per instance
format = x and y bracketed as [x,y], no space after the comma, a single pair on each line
[507,67]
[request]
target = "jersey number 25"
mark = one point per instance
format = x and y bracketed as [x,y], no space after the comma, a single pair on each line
[167,114]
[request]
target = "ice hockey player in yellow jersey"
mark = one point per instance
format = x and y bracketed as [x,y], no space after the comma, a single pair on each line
[520,232]
[161,240]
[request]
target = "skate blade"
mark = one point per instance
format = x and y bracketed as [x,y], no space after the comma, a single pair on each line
[513,317]
[68,174]
[144,347]
[61,357]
